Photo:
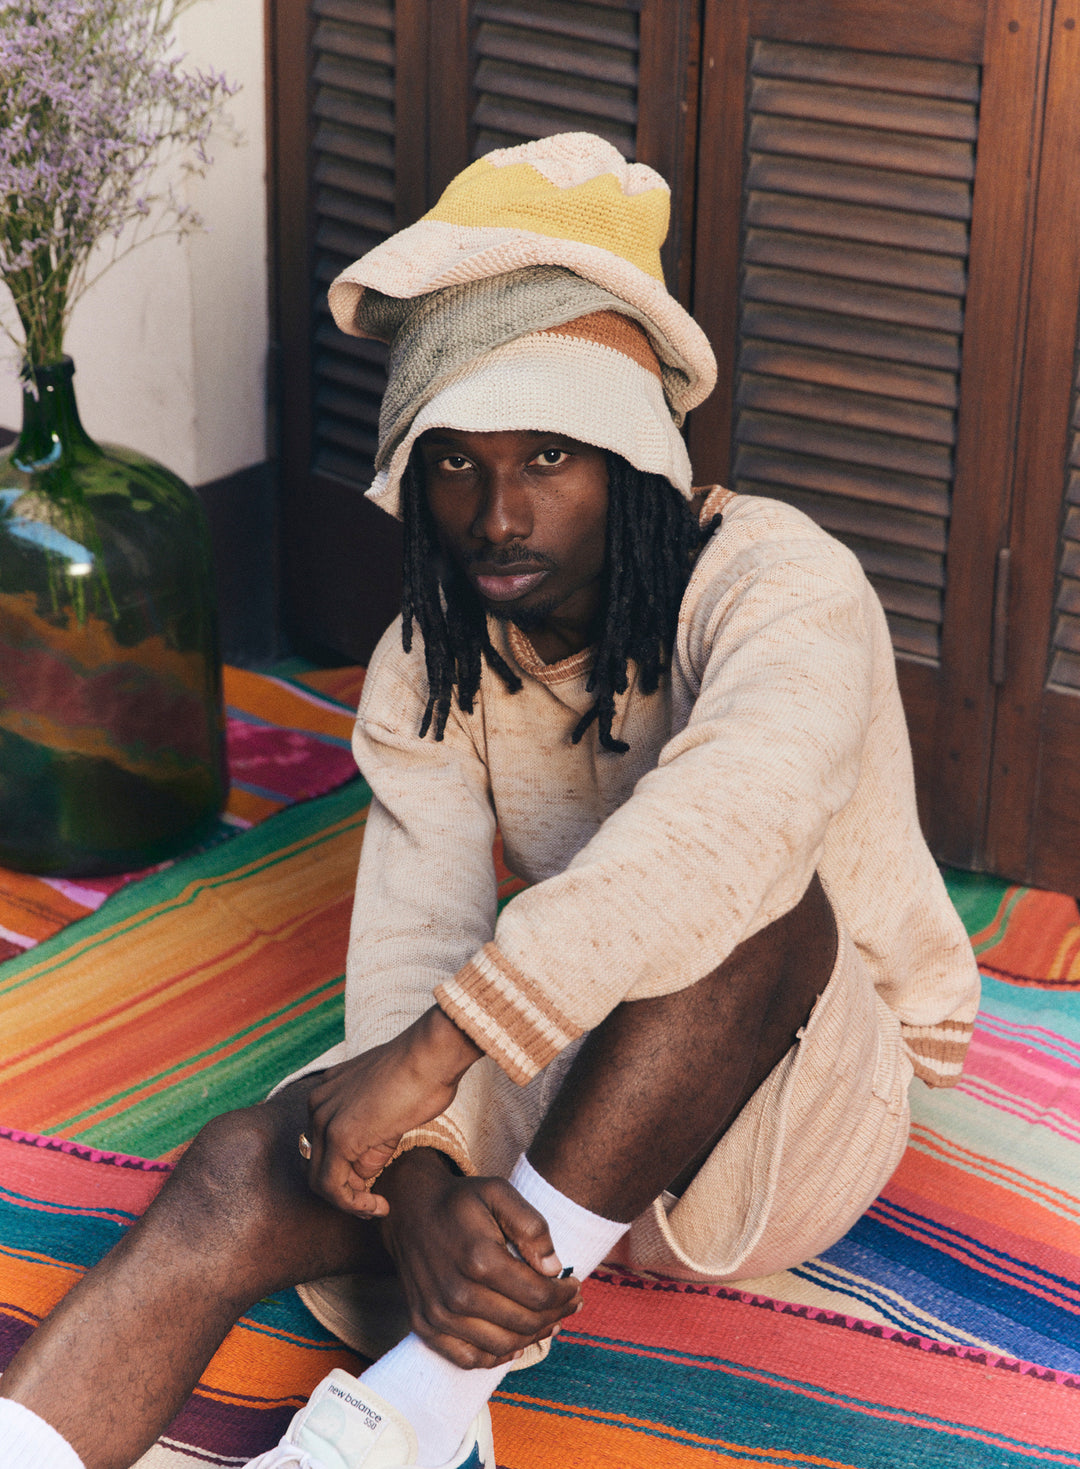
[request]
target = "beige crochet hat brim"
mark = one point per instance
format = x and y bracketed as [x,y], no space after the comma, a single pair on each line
[546,382]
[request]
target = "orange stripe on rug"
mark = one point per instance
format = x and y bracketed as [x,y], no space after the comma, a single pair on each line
[36,1283]
[930,1177]
[251,1364]
[277,702]
[110,1018]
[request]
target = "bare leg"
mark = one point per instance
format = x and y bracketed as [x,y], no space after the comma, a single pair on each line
[648,1095]
[657,1084]
[118,1357]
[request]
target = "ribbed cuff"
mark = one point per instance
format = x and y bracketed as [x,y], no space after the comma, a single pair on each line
[28,1442]
[506,1014]
[937,1051]
[442,1134]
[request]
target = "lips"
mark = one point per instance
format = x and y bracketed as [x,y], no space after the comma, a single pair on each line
[508,585]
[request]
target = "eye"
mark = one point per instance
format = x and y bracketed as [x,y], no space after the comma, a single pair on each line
[454,464]
[551,457]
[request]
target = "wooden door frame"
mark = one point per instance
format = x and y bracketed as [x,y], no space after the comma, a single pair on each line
[1002,225]
[1042,437]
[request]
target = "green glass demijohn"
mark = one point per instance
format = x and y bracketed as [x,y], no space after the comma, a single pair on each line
[111,724]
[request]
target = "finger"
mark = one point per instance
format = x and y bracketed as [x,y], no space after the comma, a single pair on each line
[331,1172]
[462,1354]
[492,1268]
[486,1319]
[331,1176]
[475,1338]
[525,1228]
[375,1158]
[342,1152]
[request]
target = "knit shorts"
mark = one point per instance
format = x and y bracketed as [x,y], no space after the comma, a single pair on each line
[804,1159]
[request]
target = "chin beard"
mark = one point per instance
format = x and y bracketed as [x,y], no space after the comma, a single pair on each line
[526,619]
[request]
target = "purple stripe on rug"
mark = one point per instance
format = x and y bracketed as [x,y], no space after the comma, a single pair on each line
[224,1432]
[13,1332]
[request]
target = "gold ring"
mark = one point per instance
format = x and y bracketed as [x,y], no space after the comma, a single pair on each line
[305,1146]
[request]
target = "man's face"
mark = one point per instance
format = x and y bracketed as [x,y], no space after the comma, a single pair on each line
[523,515]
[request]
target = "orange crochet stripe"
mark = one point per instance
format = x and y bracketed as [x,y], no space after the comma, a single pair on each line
[611,329]
[937,1056]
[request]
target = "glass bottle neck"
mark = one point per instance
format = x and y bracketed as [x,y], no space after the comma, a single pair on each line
[51,428]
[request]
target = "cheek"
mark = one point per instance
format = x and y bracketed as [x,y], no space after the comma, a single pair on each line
[591,531]
[449,511]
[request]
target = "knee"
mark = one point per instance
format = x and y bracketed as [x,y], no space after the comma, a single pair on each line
[224,1180]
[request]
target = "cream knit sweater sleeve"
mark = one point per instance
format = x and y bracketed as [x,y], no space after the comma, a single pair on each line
[426,893]
[716,842]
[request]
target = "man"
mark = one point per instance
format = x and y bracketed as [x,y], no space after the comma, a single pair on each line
[688,1044]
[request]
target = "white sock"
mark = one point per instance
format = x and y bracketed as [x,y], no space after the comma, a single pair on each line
[441,1400]
[28,1442]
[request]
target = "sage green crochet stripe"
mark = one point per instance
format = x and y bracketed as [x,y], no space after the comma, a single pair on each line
[435,336]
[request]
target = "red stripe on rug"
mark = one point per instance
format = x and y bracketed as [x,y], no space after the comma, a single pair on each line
[887,1370]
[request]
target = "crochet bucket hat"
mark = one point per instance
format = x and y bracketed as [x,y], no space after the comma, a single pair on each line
[532,297]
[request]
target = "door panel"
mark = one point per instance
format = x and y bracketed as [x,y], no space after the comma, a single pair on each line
[554,66]
[876,218]
[851,312]
[843,272]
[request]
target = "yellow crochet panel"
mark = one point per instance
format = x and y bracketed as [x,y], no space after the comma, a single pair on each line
[595,212]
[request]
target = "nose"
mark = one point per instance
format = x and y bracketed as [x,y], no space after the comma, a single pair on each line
[504,511]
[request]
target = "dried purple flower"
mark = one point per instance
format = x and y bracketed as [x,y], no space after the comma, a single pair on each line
[93,102]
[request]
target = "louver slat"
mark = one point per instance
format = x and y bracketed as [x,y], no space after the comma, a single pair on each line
[1065,654]
[353,174]
[858,197]
[555,66]
[910,75]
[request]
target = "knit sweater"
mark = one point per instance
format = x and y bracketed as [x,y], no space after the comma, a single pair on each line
[775,746]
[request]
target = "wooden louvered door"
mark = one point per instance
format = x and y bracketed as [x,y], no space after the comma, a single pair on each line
[863,215]
[348,169]
[1034,829]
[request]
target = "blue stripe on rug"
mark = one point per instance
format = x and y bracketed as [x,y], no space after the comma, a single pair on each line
[1017,1322]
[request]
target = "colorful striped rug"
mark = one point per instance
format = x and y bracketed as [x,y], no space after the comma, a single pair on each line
[944,1330]
[287,740]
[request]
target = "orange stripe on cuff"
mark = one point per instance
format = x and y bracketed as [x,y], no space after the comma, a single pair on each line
[506,1014]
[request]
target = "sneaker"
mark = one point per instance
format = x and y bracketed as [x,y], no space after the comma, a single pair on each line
[347,1426]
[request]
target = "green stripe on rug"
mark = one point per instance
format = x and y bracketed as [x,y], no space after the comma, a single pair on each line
[260,848]
[154,1125]
[977,898]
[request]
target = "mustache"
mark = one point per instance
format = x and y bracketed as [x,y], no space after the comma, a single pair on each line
[516,556]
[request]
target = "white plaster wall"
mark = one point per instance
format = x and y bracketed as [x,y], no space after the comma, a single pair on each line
[170,346]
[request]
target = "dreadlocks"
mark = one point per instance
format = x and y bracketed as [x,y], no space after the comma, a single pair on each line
[652,540]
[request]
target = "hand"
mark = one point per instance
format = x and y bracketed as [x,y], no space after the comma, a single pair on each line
[469,1298]
[359,1110]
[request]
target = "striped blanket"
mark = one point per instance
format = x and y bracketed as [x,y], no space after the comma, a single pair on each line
[286,741]
[944,1330]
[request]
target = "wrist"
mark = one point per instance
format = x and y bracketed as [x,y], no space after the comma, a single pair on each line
[445,1049]
[412,1181]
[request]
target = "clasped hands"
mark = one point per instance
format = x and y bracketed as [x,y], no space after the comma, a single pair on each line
[469,1297]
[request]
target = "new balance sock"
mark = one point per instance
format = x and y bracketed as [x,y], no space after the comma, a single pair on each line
[28,1442]
[441,1400]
